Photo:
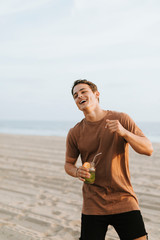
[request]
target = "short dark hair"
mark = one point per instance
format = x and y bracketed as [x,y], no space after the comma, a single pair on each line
[92,86]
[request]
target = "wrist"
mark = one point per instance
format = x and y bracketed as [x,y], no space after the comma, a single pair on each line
[127,136]
[76,175]
[124,133]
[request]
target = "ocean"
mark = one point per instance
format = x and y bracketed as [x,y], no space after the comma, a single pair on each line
[61,128]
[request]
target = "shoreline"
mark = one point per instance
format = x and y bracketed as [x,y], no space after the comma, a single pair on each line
[61,127]
[153,139]
[39,201]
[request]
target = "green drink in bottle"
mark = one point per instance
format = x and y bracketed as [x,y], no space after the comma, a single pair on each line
[92,170]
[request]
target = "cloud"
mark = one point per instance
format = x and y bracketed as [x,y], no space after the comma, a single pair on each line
[59,41]
[8,6]
[93,26]
[83,4]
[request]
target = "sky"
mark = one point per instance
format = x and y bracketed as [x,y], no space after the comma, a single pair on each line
[45,45]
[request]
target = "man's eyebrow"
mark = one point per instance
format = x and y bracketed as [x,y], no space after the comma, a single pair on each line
[79,90]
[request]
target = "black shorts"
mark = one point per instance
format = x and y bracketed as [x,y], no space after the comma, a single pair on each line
[128,225]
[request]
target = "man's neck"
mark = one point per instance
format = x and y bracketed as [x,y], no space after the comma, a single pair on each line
[95,115]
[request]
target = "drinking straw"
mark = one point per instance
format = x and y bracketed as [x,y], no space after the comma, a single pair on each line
[93,161]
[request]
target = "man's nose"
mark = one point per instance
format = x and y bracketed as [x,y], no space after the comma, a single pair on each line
[79,95]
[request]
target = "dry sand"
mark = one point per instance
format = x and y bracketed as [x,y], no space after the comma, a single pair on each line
[39,201]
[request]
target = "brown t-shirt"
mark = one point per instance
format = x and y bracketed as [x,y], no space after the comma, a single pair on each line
[112,191]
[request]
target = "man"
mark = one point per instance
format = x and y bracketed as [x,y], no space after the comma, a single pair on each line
[111,199]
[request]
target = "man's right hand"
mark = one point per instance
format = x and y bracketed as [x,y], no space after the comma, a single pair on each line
[72,170]
[83,173]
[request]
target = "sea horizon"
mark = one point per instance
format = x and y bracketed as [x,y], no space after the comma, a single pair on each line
[61,127]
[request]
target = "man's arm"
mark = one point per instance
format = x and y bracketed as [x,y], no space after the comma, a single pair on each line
[140,144]
[72,170]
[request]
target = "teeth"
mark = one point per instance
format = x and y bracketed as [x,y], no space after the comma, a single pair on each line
[82,101]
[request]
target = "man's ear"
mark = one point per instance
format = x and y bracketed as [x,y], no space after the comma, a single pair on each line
[97,94]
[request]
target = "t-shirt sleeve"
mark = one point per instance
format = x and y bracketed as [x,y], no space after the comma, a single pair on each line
[128,123]
[71,145]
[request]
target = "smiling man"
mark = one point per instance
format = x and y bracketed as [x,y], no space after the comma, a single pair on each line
[111,199]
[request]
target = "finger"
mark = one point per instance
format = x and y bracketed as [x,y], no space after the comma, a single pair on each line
[107,122]
[110,122]
[113,127]
[82,179]
[112,130]
[84,169]
[113,124]
[83,173]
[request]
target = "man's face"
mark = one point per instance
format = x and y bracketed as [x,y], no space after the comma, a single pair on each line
[84,98]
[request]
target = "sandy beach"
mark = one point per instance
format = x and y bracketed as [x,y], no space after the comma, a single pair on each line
[39,201]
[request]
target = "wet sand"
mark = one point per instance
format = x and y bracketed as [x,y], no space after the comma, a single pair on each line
[39,201]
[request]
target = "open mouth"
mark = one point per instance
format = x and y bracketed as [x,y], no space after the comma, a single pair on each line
[83,101]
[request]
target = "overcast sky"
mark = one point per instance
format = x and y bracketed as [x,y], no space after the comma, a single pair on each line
[47,44]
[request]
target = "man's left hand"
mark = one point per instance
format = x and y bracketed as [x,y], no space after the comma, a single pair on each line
[115,126]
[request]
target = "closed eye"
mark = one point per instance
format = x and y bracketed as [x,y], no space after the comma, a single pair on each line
[82,91]
[75,96]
